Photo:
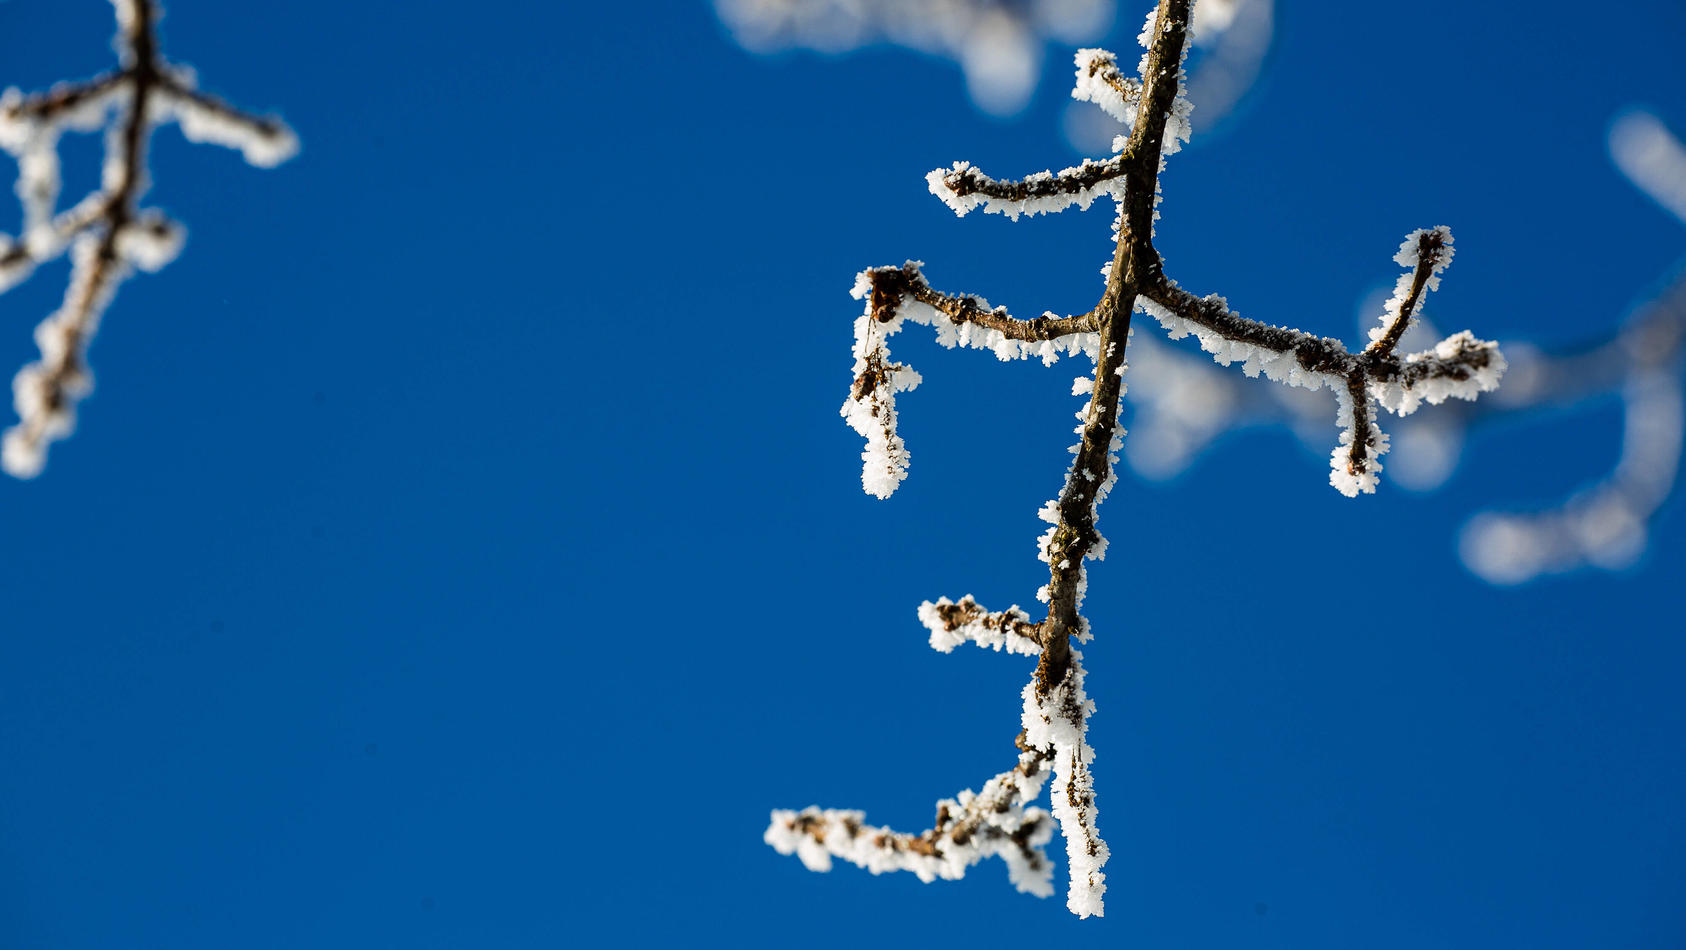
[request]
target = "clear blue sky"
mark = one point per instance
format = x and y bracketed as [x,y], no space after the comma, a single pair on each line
[462,548]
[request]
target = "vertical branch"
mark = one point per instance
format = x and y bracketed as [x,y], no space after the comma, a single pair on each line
[1135,264]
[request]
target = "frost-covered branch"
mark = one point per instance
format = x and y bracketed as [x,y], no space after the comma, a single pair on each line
[1230,39]
[952,624]
[964,188]
[997,43]
[1459,365]
[1056,709]
[1100,82]
[107,234]
[994,822]
[895,295]
[1183,404]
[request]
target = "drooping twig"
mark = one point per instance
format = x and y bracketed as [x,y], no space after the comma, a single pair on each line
[107,234]
[1056,709]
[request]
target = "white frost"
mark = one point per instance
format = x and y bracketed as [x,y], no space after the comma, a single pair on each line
[938,181]
[993,631]
[1059,722]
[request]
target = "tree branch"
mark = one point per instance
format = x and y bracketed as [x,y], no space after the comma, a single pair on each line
[107,233]
[1056,708]
[968,828]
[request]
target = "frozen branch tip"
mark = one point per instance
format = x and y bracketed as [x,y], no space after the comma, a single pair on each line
[1000,820]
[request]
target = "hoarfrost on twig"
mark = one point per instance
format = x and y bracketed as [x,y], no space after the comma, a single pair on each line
[107,234]
[1183,405]
[1056,709]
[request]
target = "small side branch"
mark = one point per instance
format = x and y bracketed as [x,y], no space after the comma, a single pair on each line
[907,281]
[60,103]
[952,624]
[1459,365]
[968,828]
[1100,82]
[1427,252]
[1282,354]
[107,233]
[965,187]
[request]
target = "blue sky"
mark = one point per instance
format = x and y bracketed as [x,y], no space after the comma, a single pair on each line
[462,547]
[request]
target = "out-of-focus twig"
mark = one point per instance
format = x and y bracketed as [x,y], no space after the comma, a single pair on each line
[107,234]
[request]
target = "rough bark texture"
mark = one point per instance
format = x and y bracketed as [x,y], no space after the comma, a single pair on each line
[1135,265]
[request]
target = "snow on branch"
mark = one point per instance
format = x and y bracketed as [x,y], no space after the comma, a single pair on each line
[1459,366]
[894,295]
[964,188]
[997,45]
[1056,709]
[1100,82]
[107,235]
[1183,404]
[1057,720]
[1605,524]
[994,822]
[1119,96]
[952,624]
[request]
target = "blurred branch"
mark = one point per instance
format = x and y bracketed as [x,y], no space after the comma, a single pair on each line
[107,235]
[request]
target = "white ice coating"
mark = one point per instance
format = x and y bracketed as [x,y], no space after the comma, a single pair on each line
[1096,66]
[1097,73]
[1651,157]
[998,45]
[1402,396]
[1082,198]
[1059,722]
[33,142]
[993,631]
[264,144]
[1604,525]
[45,392]
[872,412]
[1093,68]
[150,243]
[1281,367]
[817,835]
[1409,257]
[47,413]
[1448,370]
[1347,478]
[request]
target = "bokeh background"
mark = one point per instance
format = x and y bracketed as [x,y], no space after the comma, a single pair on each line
[462,547]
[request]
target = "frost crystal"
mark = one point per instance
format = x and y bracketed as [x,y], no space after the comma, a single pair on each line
[952,624]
